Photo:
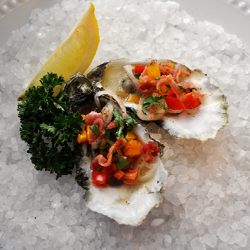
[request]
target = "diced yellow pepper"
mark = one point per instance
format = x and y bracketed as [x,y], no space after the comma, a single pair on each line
[130,136]
[153,71]
[82,137]
[133,98]
[88,132]
[132,148]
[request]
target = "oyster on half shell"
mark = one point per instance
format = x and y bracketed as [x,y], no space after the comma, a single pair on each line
[126,203]
[200,123]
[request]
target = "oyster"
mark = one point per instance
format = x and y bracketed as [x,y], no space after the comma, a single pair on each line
[201,121]
[120,200]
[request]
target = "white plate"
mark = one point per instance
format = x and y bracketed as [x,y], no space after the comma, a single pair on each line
[232,15]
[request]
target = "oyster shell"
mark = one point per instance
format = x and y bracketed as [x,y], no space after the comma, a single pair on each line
[127,204]
[202,123]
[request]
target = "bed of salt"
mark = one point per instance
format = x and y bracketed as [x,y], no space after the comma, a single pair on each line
[206,204]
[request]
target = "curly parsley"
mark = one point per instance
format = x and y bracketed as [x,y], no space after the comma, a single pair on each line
[48,127]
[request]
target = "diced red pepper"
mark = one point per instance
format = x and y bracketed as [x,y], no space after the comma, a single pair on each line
[174,103]
[171,93]
[130,176]
[192,102]
[139,69]
[99,179]
[189,100]
[119,174]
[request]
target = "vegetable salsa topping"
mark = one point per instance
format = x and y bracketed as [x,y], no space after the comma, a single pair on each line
[115,147]
[164,88]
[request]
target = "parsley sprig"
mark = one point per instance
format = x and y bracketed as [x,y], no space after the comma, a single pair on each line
[48,127]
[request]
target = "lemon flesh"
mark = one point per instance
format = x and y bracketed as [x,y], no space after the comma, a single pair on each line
[75,53]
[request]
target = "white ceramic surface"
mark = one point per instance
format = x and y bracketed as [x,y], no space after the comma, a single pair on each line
[232,15]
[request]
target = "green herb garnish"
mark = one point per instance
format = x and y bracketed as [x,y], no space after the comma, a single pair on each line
[108,134]
[131,114]
[154,100]
[130,123]
[94,129]
[137,76]
[119,122]
[182,88]
[48,127]
[121,163]
[124,124]
[157,78]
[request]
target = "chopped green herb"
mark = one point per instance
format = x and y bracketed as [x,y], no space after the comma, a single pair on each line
[121,163]
[130,123]
[154,100]
[137,76]
[182,88]
[157,78]
[107,135]
[152,62]
[119,122]
[119,133]
[127,124]
[118,118]
[131,114]
[94,129]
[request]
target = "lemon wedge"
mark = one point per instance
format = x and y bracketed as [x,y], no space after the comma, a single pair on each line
[75,53]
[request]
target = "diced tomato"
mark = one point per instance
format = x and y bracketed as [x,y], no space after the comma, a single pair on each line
[99,179]
[130,176]
[119,174]
[174,103]
[107,172]
[139,69]
[171,93]
[196,103]
[191,101]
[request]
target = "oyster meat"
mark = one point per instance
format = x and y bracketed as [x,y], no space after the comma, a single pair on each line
[124,200]
[200,117]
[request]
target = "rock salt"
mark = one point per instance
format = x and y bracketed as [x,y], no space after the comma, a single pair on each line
[202,194]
